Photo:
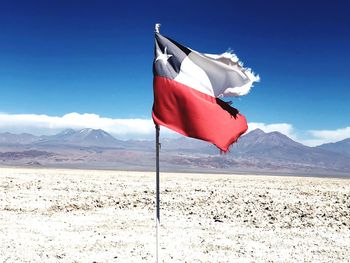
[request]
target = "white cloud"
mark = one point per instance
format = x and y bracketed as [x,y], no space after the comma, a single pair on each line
[144,128]
[44,124]
[326,136]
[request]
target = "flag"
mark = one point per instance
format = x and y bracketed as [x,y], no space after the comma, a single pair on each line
[188,87]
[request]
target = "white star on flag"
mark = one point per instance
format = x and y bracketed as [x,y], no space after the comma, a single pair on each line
[163,56]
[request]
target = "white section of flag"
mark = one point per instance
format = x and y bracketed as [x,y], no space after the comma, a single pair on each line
[194,77]
[216,75]
[226,73]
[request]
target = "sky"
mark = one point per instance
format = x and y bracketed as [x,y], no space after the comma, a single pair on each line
[89,63]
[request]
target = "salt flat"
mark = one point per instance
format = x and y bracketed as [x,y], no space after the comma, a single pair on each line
[51,215]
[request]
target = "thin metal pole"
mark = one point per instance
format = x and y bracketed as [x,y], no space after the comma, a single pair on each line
[157,194]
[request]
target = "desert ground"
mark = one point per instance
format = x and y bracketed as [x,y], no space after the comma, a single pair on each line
[52,215]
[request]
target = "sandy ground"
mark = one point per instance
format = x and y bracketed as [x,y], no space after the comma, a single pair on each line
[108,216]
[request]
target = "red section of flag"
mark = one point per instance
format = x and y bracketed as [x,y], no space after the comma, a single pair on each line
[195,114]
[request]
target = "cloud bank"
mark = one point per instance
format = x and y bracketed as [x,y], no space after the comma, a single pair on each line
[327,136]
[144,128]
[44,124]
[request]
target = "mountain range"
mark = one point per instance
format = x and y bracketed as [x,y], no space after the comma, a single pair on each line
[257,152]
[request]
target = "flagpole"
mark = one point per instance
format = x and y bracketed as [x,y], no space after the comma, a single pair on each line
[157,193]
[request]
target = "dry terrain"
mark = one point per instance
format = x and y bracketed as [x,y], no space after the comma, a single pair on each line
[51,215]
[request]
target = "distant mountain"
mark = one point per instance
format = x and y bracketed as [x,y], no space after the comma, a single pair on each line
[64,134]
[259,150]
[256,151]
[271,146]
[144,145]
[92,137]
[69,137]
[85,137]
[15,139]
[278,149]
[342,147]
[184,144]
[260,142]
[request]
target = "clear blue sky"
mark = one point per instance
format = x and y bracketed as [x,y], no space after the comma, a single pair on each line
[58,57]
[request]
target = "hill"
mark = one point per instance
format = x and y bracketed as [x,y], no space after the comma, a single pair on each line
[256,151]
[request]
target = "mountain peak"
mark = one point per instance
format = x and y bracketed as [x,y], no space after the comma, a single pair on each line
[85,130]
[89,136]
[259,140]
[94,132]
[85,137]
[257,131]
[67,132]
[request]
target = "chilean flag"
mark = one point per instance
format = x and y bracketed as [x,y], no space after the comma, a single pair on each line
[188,86]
